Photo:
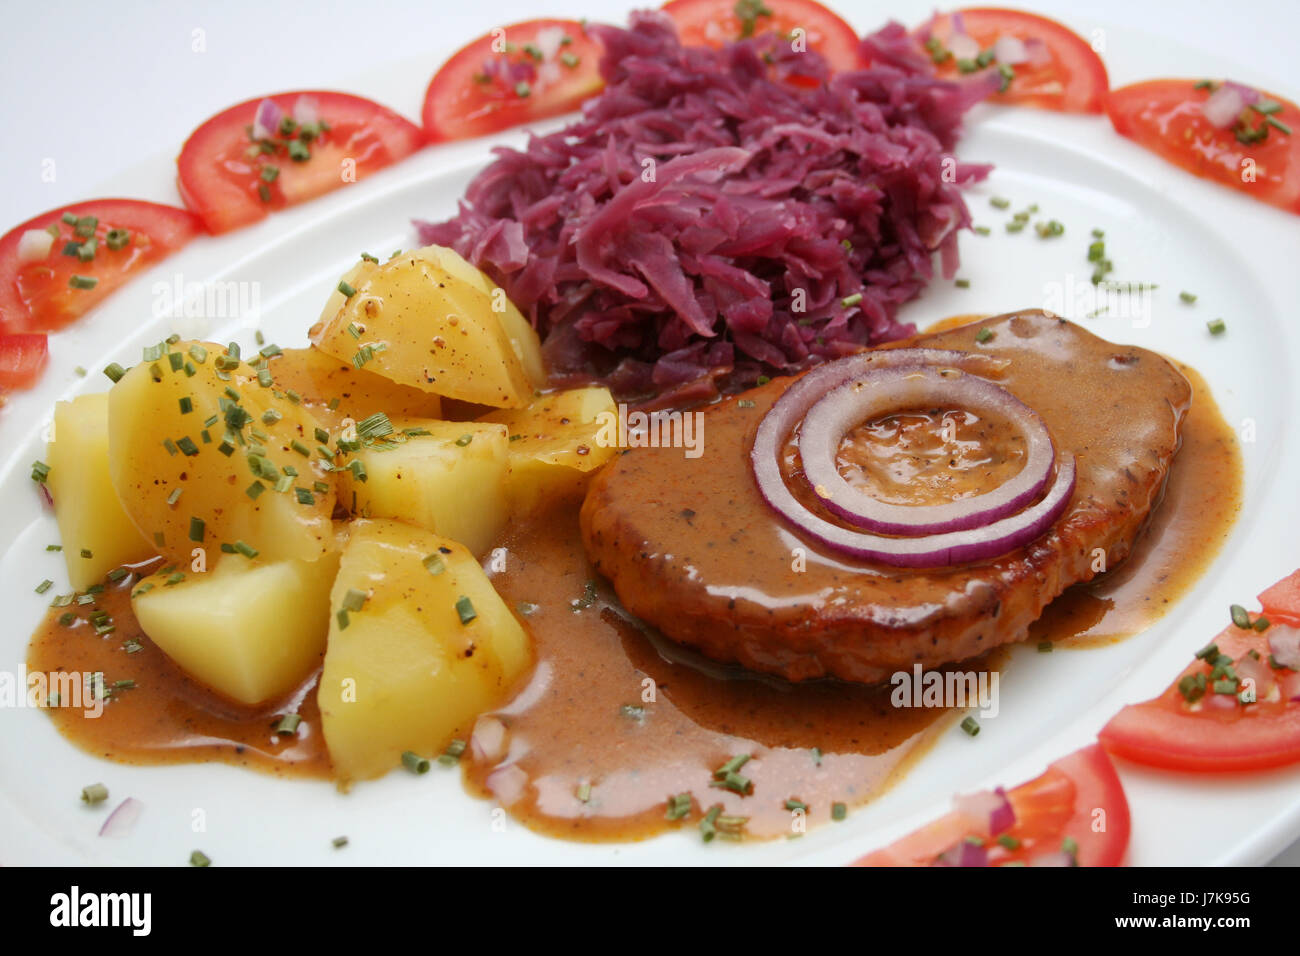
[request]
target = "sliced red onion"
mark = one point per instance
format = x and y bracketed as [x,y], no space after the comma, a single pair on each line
[34,245]
[923,551]
[1222,107]
[964,853]
[1010,50]
[958,22]
[1284,644]
[891,390]
[1249,95]
[990,810]
[306,112]
[963,47]
[121,821]
[266,121]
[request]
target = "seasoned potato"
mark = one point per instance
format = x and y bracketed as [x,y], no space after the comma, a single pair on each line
[412,321]
[199,459]
[521,334]
[96,533]
[322,380]
[447,477]
[556,444]
[251,630]
[431,647]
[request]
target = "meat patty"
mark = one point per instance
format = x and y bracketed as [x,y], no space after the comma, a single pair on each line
[692,548]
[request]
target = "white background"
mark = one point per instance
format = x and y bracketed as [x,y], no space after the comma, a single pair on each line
[104,88]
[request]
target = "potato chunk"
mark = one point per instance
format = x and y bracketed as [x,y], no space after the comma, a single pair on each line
[322,380]
[202,456]
[431,647]
[446,477]
[556,444]
[415,322]
[249,630]
[96,533]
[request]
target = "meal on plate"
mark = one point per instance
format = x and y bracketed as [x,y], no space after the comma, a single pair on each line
[625,489]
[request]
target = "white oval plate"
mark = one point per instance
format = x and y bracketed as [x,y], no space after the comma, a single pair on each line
[1161,226]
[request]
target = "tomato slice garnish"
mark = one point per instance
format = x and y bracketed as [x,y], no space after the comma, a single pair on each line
[1281,602]
[1215,732]
[1064,73]
[40,296]
[1167,117]
[511,75]
[1077,802]
[229,180]
[715,23]
[23,356]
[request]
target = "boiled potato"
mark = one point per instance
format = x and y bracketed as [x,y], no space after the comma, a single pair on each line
[557,443]
[96,533]
[188,477]
[251,630]
[431,648]
[322,380]
[523,337]
[414,322]
[447,477]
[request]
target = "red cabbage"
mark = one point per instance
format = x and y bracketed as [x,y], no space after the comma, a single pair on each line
[708,220]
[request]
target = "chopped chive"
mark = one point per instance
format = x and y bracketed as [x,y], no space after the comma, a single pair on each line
[1240,616]
[464,439]
[997,202]
[339,842]
[346,289]
[984,335]
[962,283]
[304,496]
[1008,841]
[523,89]
[1044,647]
[745,403]
[793,803]
[200,859]
[288,724]
[246,550]
[197,529]
[839,811]
[850,301]
[679,807]
[44,586]
[1261,624]
[414,762]
[354,600]
[971,726]
[95,793]
[1216,326]
[434,564]
[465,608]
[1187,297]
[83,282]
[40,471]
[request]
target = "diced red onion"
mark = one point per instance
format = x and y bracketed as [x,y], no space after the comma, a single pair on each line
[1037,51]
[1224,702]
[1249,94]
[1059,858]
[989,810]
[1222,107]
[121,821]
[963,47]
[924,551]
[305,111]
[1290,687]
[888,390]
[958,22]
[1010,50]
[1284,644]
[964,853]
[488,740]
[266,121]
[34,245]
[1257,671]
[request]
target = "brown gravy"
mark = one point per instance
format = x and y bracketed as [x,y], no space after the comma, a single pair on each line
[614,720]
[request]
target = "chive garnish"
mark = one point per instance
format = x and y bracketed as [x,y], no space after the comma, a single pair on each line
[983,336]
[839,811]
[464,439]
[1240,616]
[414,762]
[1187,297]
[794,803]
[971,726]
[346,289]
[82,282]
[434,564]
[288,724]
[465,608]
[679,807]
[1216,326]
[197,529]
[95,793]
[44,586]
[200,859]
[246,550]
[339,842]
[849,301]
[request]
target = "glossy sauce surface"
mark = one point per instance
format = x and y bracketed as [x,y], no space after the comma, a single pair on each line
[614,719]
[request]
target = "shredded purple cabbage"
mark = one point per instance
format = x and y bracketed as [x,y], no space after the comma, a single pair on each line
[707,222]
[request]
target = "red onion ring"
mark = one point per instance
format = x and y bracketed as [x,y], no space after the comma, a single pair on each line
[121,821]
[886,390]
[936,550]
[989,810]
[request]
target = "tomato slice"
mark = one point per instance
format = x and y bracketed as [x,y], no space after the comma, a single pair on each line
[1077,800]
[715,23]
[1281,602]
[229,180]
[1166,117]
[511,75]
[1216,733]
[1063,73]
[23,356]
[39,296]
